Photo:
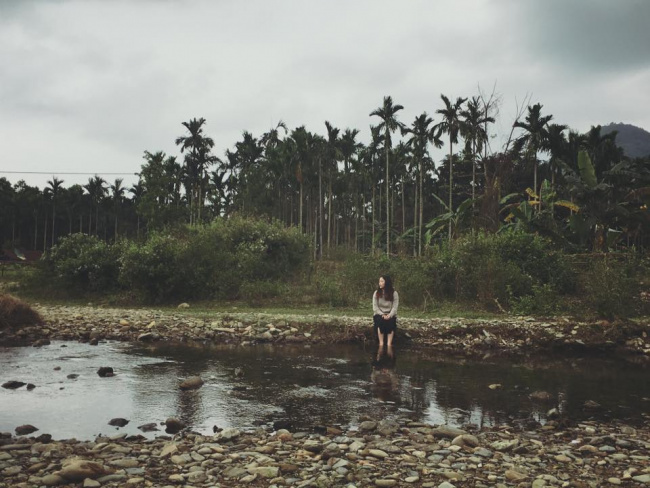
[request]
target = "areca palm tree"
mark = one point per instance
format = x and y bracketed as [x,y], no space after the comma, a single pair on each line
[451,125]
[535,137]
[333,154]
[54,188]
[117,195]
[349,147]
[137,190]
[197,160]
[96,191]
[474,130]
[423,133]
[389,124]
[556,145]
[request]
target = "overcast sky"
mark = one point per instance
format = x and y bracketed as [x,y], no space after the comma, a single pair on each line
[88,86]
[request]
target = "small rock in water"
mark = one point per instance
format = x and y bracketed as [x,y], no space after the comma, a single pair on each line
[105,372]
[541,396]
[25,429]
[12,385]
[118,422]
[193,383]
[72,376]
[151,427]
[591,405]
[173,425]
[30,386]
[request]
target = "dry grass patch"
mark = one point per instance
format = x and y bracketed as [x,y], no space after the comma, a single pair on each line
[16,313]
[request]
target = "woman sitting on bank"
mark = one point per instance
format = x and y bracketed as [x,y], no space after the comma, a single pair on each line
[384,306]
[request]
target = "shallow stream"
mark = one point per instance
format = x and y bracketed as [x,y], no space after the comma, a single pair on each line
[299,385]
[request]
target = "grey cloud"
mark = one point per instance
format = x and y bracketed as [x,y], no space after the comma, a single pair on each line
[591,35]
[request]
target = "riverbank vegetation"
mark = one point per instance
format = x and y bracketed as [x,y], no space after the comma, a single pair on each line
[551,222]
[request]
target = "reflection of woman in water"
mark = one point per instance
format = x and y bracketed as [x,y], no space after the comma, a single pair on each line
[384,307]
[385,383]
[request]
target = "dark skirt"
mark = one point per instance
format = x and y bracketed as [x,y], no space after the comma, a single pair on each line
[385,326]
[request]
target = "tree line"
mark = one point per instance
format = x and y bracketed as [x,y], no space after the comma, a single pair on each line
[388,195]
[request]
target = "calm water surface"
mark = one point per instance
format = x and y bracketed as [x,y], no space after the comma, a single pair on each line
[300,384]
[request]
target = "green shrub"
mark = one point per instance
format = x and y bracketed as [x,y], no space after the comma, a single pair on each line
[330,291]
[255,292]
[158,270]
[544,300]
[84,262]
[610,288]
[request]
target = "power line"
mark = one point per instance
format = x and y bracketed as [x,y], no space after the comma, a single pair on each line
[63,173]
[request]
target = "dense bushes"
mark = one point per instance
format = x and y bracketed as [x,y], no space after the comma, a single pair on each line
[199,263]
[482,269]
[84,262]
[256,261]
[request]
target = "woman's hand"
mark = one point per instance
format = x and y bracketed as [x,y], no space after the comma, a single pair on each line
[385,316]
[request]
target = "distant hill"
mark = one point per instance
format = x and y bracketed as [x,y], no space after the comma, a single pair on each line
[634,140]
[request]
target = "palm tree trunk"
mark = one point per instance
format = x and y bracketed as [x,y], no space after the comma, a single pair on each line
[329,212]
[387,200]
[300,211]
[320,209]
[45,233]
[35,230]
[372,243]
[415,218]
[451,182]
[53,221]
[403,207]
[473,174]
[421,211]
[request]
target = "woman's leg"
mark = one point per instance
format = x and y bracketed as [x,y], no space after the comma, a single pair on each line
[380,335]
[390,339]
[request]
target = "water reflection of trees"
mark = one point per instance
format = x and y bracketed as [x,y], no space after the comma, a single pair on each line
[330,385]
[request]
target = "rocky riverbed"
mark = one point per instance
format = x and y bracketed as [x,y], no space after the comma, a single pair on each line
[508,336]
[377,453]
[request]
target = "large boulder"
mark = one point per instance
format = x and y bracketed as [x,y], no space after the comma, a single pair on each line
[75,469]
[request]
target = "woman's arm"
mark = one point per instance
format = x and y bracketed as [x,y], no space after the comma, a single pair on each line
[393,310]
[375,305]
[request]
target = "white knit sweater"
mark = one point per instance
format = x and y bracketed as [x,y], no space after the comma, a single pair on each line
[382,307]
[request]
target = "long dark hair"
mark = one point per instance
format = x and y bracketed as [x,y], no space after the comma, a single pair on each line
[387,292]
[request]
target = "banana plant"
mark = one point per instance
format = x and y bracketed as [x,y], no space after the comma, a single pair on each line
[529,215]
[454,220]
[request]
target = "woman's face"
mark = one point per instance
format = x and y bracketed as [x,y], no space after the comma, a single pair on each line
[382,283]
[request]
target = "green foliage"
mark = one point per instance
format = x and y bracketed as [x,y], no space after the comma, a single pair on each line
[256,292]
[610,288]
[214,261]
[481,268]
[84,262]
[544,300]
[330,291]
